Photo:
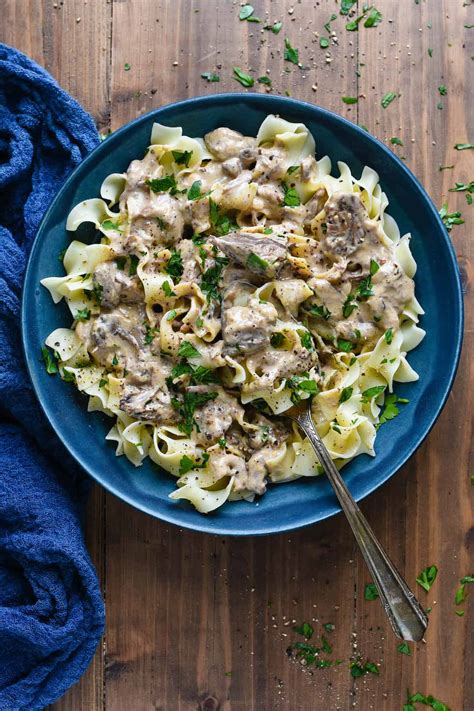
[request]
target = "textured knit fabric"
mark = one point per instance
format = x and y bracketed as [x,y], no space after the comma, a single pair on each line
[51,612]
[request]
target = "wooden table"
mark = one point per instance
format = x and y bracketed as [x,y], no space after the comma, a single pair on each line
[198,622]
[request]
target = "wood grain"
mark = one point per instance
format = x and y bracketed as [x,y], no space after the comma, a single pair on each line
[201,622]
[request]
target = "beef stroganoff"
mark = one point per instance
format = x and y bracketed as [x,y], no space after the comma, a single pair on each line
[235,276]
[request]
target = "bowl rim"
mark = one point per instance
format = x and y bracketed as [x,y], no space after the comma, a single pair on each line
[207,524]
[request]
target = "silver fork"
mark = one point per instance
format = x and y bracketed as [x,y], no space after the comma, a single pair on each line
[403,610]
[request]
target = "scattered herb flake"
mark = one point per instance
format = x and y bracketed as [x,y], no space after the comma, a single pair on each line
[166,286]
[254,262]
[350,99]
[324,42]
[404,648]
[320,311]
[370,592]
[49,361]
[305,629]
[187,406]
[427,577]
[182,157]
[358,669]
[174,266]
[442,90]
[450,218]
[245,12]
[463,146]
[82,315]
[264,80]
[187,350]
[291,199]
[161,185]
[343,345]
[388,98]
[291,54]
[210,76]
[346,394]
[396,141]
[277,339]
[388,336]
[127,66]
[346,6]
[275,28]
[242,77]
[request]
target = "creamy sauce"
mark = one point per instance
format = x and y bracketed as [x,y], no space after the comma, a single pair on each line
[333,277]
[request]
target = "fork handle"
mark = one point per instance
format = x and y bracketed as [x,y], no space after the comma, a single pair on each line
[403,610]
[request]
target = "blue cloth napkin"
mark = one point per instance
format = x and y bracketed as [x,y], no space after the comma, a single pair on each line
[51,611]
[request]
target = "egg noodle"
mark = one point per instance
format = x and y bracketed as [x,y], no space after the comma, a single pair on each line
[234,277]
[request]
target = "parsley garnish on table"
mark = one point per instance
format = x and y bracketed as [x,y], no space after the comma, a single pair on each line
[291,54]
[242,77]
[429,700]
[427,577]
[450,219]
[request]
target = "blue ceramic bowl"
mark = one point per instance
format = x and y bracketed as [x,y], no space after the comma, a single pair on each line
[286,506]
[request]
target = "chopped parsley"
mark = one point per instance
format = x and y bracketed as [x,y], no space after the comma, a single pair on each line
[97,290]
[292,169]
[358,669]
[430,51]
[297,385]
[82,315]
[187,407]
[390,408]
[427,577]
[162,185]
[323,42]
[120,262]
[404,648]
[103,382]
[127,66]
[132,269]
[221,223]
[305,630]
[174,266]
[194,192]
[396,141]
[182,157]
[364,290]
[211,277]
[388,98]
[463,146]
[49,362]
[430,700]
[388,335]
[370,393]
[346,394]
[242,77]
[320,311]
[187,350]
[245,12]
[109,225]
[349,306]
[329,627]
[277,339]
[264,80]
[463,188]
[343,345]
[115,360]
[306,340]
[371,16]
[291,54]
[256,262]
[442,90]
[350,99]
[171,315]
[291,199]
[186,464]
[150,333]
[370,592]
[210,76]
[167,289]
[374,267]
[275,28]
[346,5]
[450,218]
